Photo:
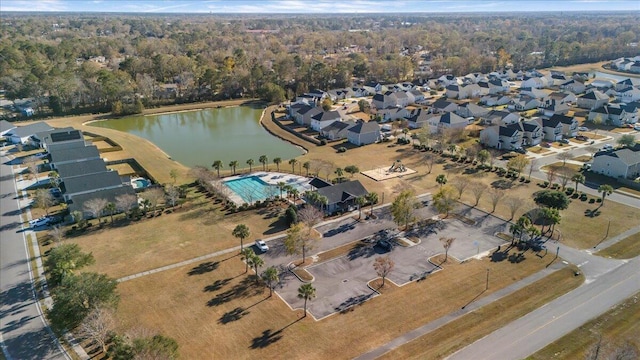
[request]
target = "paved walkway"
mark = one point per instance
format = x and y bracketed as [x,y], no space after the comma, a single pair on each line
[425,329]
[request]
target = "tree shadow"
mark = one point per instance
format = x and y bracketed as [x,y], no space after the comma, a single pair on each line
[502,184]
[233,315]
[204,268]
[348,305]
[217,285]
[361,250]
[269,336]
[517,258]
[245,288]
[592,212]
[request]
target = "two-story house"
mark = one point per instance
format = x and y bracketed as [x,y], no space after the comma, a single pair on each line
[532,133]
[499,117]
[502,137]
[592,100]
[622,163]
[471,110]
[324,118]
[418,118]
[552,129]
[386,100]
[364,133]
[613,114]
[569,125]
[523,103]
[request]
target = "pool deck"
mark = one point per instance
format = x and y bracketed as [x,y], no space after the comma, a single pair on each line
[271,178]
[383,173]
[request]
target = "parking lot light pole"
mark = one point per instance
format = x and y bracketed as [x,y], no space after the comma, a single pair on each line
[487,286]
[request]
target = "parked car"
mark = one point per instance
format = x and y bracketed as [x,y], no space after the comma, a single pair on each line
[385,245]
[520,151]
[262,246]
[546,144]
[41,155]
[41,221]
[564,141]
[637,128]
[55,192]
[583,128]
[582,138]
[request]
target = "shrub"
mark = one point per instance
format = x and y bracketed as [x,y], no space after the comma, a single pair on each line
[342,149]
[569,191]
[575,195]
[545,184]
[598,200]
[522,178]
[592,200]
[527,181]
[323,142]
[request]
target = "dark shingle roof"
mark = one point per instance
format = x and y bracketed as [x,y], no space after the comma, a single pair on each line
[5,125]
[365,127]
[563,119]
[77,201]
[319,183]
[343,191]
[31,129]
[326,115]
[79,153]
[508,130]
[81,168]
[88,182]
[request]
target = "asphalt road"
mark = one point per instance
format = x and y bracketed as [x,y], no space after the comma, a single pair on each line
[541,327]
[23,333]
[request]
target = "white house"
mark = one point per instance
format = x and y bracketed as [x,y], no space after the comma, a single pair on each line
[592,100]
[613,114]
[471,110]
[418,118]
[393,113]
[502,137]
[523,103]
[337,130]
[442,106]
[552,129]
[532,132]
[498,117]
[23,134]
[535,82]
[448,121]
[628,95]
[383,101]
[569,124]
[551,107]
[415,96]
[574,86]
[364,133]
[495,100]
[623,163]
[402,99]
[322,119]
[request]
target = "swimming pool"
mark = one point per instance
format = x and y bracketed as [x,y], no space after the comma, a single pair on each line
[140,183]
[252,188]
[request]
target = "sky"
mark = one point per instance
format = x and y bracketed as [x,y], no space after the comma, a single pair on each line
[314,6]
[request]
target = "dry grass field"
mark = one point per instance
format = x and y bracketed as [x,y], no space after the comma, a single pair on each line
[620,324]
[215,310]
[624,249]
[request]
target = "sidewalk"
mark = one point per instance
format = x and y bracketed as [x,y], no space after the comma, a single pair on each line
[425,329]
[615,239]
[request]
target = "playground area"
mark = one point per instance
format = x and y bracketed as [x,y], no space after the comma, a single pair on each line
[397,169]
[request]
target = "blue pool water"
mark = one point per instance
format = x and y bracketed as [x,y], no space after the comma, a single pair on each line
[141,184]
[252,188]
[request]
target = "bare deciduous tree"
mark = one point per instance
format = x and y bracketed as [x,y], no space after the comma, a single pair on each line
[564,157]
[383,266]
[552,173]
[310,216]
[172,193]
[43,199]
[446,244]
[31,163]
[460,184]
[565,175]
[126,202]
[429,159]
[95,207]
[513,203]
[478,189]
[495,195]
[98,326]
[532,166]
[153,196]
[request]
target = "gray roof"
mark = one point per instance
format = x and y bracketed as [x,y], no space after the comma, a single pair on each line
[5,125]
[563,119]
[31,129]
[326,115]
[365,127]
[451,118]
[509,130]
[79,153]
[77,201]
[88,182]
[343,191]
[626,155]
[552,122]
[530,126]
[595,95]
[60,135]
[338,125]
[81,168]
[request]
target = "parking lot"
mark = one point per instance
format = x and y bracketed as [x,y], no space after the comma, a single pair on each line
[342,282]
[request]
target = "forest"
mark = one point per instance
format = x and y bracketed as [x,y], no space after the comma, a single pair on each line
[80,63]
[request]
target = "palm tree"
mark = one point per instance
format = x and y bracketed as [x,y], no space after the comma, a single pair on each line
[281,185]
[294,193]
[441,179]
[263,160]
[579,179]
[271,277]
[605,190]
[452,148]
[241,231]
[339,173]
[293,163]
[307,165]
[323,201]
[523,223]
[111,208]
[255,261]
[360,200]
[233,165]
[277,161]
[372,198]
[250,163]
[247,253]
[217,165]
[306,292]
[515,229]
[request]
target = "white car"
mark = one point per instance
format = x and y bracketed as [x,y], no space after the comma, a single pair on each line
[637,128]
[582,128]
[42,221]
[260,244]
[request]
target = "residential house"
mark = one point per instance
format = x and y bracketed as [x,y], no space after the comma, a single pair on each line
[535,82]
[5,127]
[532,132]
[449,121]
[628,95]
[592,100]
[569,125]
[453,91]
[76,202]
[359,92]
[473,91]
[337,130]
[550,107]
[495,100]
[552,128]
[27,134]
[442,106]
[533,92]
[448,79]
[602,84]
[73,155]
[635,67]
[80,168]
[386,100]
[613,114]
[418,118]
[629,82]
[574,86]
[468,109]
[402,99]
[364,133]
[497,86]
[502,137]
[415,96]
[66,138]
[305,114]
[342,196]
[324,118]
[622,163]
[498,117]
[523,103]
[87,183]
[393,113]
[563,98]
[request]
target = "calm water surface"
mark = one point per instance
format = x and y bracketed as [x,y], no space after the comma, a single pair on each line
[201,137]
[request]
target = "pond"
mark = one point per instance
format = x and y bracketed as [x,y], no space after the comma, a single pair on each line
[203,136]
[617,78]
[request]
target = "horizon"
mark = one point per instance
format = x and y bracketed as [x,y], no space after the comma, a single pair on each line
[378,7]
